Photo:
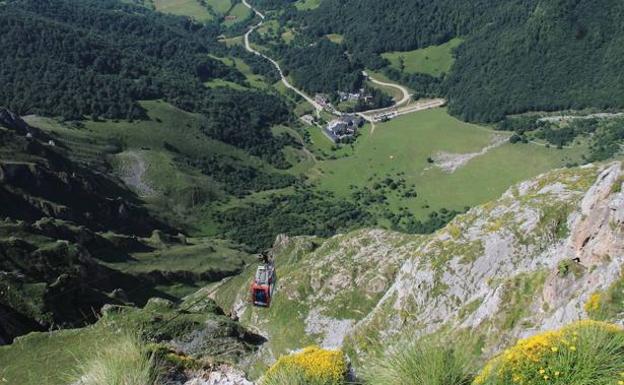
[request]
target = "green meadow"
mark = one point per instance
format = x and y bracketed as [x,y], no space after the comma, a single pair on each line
[220,6]
[237,14]
[190,8]
[400,149]
[433,60]
[335,38]
[51,358]
[304,5]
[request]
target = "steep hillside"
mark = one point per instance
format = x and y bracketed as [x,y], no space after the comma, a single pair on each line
[39,180]
[526,262]
[73,239]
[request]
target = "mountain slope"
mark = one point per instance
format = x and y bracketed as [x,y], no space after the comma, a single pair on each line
[73,239]
[525,262]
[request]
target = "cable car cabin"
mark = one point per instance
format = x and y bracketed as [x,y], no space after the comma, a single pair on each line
[262,286]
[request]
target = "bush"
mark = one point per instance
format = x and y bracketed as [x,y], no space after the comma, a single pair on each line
[311,366]
[427,361]
[583,353]
[608,304]
[124,362]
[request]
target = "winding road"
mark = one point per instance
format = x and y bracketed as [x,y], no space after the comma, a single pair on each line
[249,48]
[406,95]
[367,115]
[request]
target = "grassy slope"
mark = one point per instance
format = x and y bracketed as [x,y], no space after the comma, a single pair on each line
[172,181]
[404,144]
[50,358]
[434,60]
[190,8]
[198,256]
[240,12]
[303,5]
[220,6]
[335,38]
[254,80]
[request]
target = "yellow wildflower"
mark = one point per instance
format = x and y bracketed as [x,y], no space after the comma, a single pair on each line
[528,353]
[316,363]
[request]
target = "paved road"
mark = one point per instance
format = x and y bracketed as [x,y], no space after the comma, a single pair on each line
[367,115]
[406,95]
[249,48]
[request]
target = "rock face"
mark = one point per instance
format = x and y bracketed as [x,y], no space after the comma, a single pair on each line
[223,375]
[505,266]
[525,262]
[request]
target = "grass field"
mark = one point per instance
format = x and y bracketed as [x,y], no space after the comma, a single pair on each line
[403,146]
[395,93]
[238,14]
[223,83]
[199,255]
[288,36]
[190,8]
[174,183]
[254,80]
[304,5]
[335,38]
[232,41]
[434,60]
[220,6]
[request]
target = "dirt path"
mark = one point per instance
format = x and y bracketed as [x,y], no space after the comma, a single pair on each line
[406,95]
[450,162]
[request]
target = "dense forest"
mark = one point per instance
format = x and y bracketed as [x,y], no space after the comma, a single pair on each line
[322,67]
[605,135]
[517,55]
[96,59]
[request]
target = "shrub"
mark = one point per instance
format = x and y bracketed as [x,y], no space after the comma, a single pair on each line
[428,361]
[124,362]
[608,304]
[583,353]
[593,304]
[311,366]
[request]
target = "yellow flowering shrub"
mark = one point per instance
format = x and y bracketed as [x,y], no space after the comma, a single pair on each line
[584,352]
[593,304]
[318,366]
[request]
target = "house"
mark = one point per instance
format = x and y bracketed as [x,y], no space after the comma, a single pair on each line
[322,100]
[307,119]
[342,128]
[353,96]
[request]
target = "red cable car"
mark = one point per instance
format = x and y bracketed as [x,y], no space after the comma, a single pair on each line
[263,285]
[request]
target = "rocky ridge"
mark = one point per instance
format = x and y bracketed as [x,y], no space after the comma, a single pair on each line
[526,262]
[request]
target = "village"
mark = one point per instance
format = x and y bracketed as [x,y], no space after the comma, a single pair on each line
[345,127]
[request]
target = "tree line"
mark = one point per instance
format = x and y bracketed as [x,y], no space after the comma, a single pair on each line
[517,55]
[97,58]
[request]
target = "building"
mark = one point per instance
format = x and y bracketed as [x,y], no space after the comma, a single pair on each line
[322,100]
[354,96]
[307,119]
[343,128]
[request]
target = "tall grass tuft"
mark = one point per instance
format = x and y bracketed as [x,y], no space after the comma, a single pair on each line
[583,353]
[124,362]
[428,361]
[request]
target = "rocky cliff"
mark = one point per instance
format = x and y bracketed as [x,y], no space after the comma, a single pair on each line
[525,262]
